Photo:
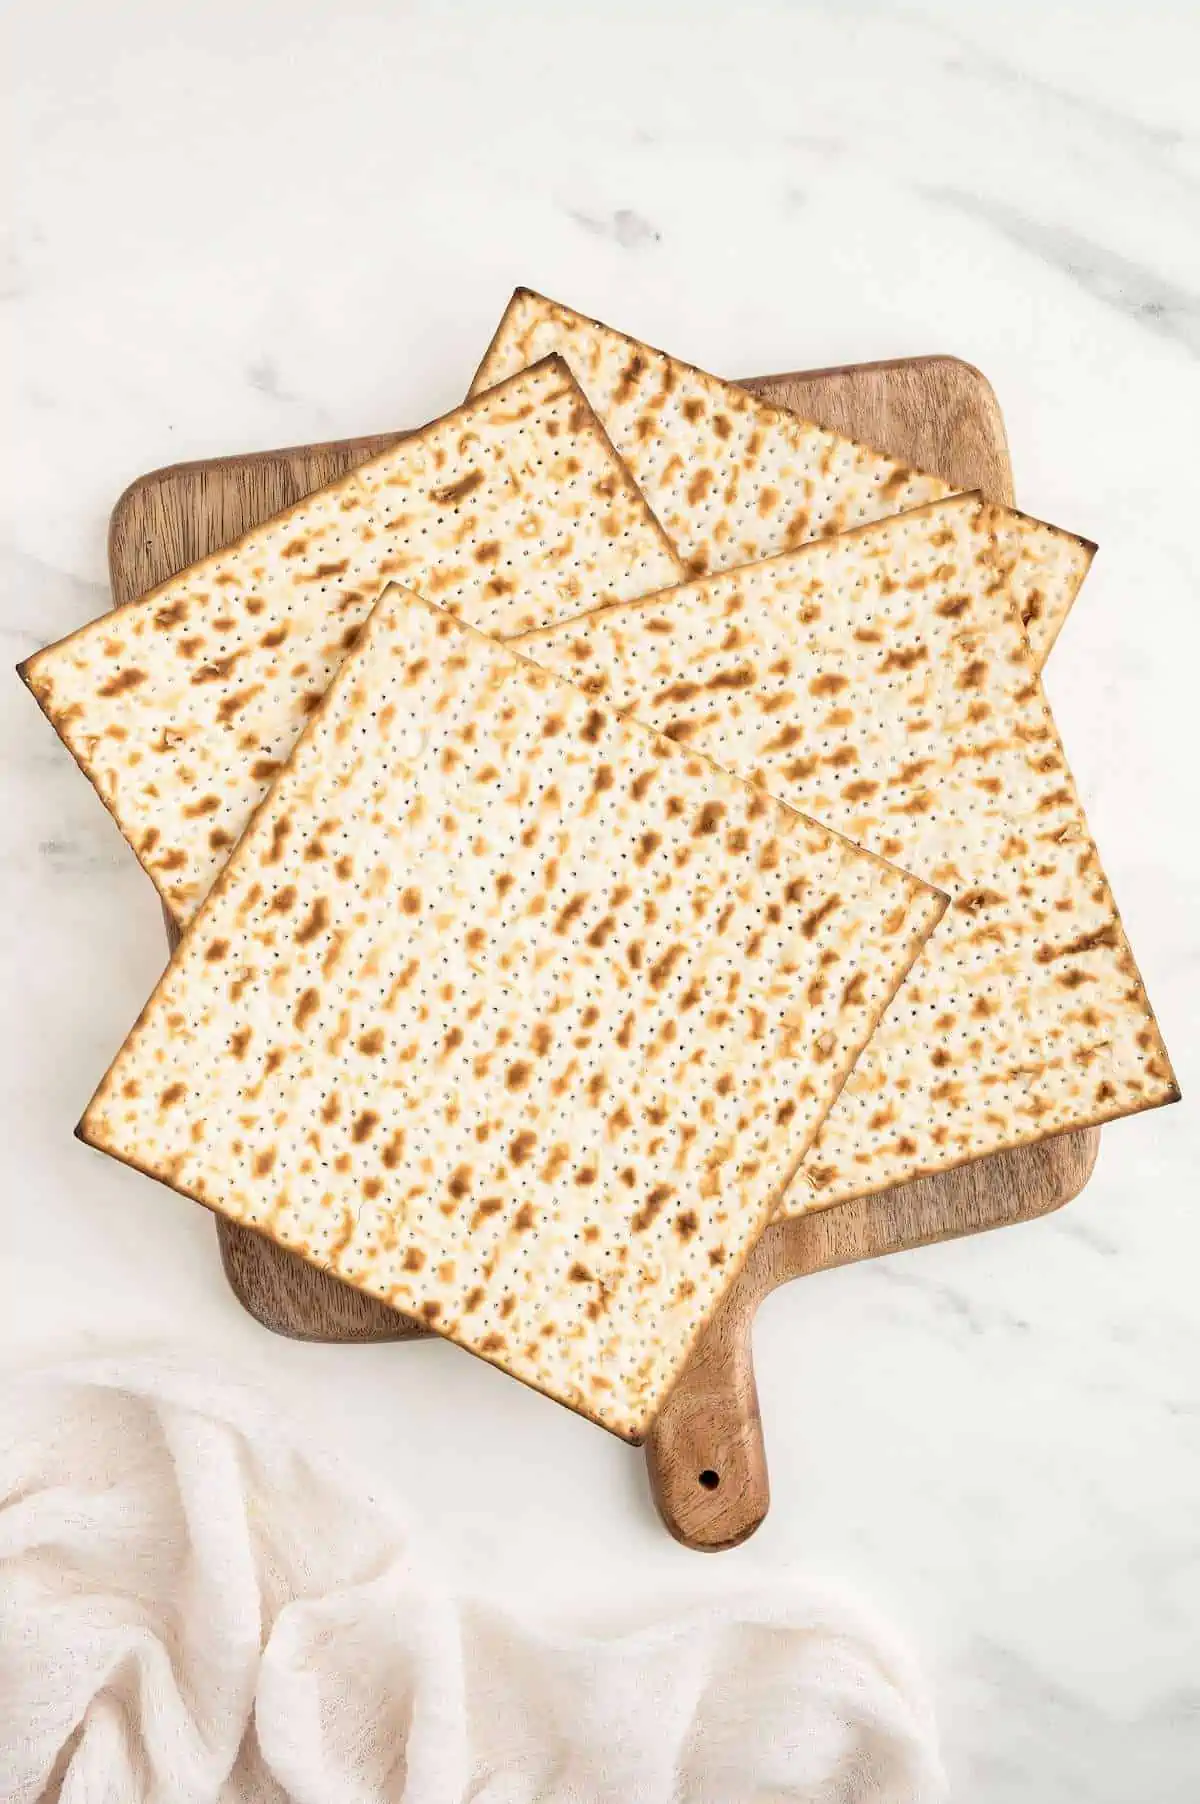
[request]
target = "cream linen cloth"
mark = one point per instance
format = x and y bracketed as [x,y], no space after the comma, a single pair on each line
[193,1609]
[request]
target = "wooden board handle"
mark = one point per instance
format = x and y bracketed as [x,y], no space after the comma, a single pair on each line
[705,1453]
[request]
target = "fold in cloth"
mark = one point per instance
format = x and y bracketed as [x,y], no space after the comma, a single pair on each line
[192,1609]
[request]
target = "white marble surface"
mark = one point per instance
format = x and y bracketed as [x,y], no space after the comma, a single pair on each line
[249,222]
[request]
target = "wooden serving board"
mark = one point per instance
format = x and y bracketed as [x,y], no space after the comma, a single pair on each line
[707,1463]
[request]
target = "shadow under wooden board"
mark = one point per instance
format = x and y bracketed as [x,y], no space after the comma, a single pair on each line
[707,1462]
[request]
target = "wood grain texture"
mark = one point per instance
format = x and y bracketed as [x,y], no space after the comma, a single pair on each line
[706,1457]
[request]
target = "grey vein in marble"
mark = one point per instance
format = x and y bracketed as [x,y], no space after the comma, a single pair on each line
[1075,1227]
[1107,119]
[74,856]
[57,601]
[1081,1751]
[263,374]
[950,1301]
[627,228]
[1140,294]
[982,62]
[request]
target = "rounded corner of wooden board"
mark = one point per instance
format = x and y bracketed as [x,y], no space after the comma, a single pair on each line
[961,369]
[1083,1163]
[937,413]
[290,1297]
[945,365]
[134,494]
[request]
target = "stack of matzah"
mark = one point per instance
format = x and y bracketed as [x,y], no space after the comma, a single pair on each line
[881,682]
[536,975]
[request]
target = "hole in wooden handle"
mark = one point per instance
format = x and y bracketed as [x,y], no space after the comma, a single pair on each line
[710,1479]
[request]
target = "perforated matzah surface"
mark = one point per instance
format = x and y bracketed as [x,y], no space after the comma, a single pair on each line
[733,479]
[881,682]
[505,1010]
[512,511]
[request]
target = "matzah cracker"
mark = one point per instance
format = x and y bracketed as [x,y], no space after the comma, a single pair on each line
[733,479]
[881,683]
[513,511]
[504,1010]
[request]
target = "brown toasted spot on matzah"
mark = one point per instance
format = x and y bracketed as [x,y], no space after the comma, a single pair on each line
[307,1004]
[122,683]
[570,912]
[644,1217]
[315,921]
[952,765]
[521,1146]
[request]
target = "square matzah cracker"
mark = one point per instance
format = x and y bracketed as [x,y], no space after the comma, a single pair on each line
[881,682]
[506,1010]
[734,479]
[513,511]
